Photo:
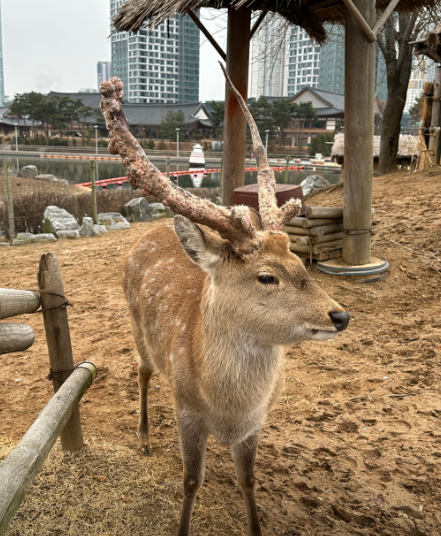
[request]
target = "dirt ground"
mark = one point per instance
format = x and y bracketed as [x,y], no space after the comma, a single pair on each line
[352,446]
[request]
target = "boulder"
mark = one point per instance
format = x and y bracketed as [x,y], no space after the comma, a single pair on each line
[71,233]
[49,177]
[112,221]
[29,172]
[312,183]
[4,244]
[87,229]
[137,209]
[99,229]
[160,211]
[57,220]
[29,238]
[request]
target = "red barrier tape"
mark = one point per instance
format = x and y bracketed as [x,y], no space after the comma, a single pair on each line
[175,174]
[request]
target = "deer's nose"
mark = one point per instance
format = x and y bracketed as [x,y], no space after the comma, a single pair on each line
[340,320]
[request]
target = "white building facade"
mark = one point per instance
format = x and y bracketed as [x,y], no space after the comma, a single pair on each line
[268,74]
[424,70]
[304,61]
[161,65]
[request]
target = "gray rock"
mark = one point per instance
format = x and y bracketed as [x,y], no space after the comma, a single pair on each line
[28,171]
[4,244]
[71,233]
[29,238]
[137,209]
[57,219]
[99,229]
[160,211]
[112,221]
[218,201]
[312,183]
[87,229]
[46,177]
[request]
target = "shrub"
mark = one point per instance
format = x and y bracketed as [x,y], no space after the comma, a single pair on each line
[162,146]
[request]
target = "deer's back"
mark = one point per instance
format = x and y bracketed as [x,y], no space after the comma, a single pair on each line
[163,289]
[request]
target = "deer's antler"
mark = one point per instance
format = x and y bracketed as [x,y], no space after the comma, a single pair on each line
[234,225]
[273,217]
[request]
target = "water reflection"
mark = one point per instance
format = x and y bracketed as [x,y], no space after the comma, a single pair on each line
[76,171]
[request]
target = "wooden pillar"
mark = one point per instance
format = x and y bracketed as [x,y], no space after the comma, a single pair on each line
[93,191]
[435,121]
[235,124]
[56,326]
[359,136]
[12,234]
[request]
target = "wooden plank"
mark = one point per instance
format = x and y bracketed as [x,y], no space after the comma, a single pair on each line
[293,230]
[353,10]
[384,16]
[207,34]
[58,341]
[17,302]
[324,212]
[306,223]
[18,470]
[15,338]
[305,240]
[359,125]
[235,123]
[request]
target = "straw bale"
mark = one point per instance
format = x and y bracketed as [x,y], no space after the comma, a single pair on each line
[408,146]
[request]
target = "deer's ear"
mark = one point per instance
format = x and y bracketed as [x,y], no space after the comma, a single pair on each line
[201,248]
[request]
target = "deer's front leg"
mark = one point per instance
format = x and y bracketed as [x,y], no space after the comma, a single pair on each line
[193,441]
[244,456]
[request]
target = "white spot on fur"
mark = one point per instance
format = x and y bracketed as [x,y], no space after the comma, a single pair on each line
[171,358]
[181,350]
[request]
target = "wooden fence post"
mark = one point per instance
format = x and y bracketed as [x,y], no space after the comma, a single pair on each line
[58,341]
[167,167]
[92,180]
[12,234]
[435,122]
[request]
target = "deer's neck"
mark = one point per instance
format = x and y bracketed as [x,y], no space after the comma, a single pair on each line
[239,374]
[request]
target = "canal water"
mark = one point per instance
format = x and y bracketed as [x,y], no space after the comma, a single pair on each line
[77,171]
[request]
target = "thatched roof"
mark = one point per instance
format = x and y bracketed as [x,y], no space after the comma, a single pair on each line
[309,14]
[430,44]
[407,148]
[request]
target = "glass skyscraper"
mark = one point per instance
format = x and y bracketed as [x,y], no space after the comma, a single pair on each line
[161,65]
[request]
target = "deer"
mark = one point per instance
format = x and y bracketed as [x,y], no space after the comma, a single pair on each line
[214,300]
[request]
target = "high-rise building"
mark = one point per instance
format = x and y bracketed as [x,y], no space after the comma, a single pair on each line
[103,71]
[324,67]
[304,61]
[269,59]
[2,75]
[424,70]
[161,65]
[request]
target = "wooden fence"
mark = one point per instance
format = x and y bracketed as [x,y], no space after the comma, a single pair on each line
[61,416]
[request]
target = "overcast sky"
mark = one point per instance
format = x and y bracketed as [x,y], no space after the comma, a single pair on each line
[55,45]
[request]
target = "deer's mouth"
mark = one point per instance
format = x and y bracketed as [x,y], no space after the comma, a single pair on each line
[321,334]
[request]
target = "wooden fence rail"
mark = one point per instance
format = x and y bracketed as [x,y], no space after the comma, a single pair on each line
[19,469]
[17,302]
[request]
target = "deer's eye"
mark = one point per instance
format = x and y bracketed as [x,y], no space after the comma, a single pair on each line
[266,279]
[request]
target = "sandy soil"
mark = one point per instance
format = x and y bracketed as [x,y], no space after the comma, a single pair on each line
[352,447]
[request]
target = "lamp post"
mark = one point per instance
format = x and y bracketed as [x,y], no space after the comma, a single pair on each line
[177,142]
[96,138]
[16,142]
[266,142]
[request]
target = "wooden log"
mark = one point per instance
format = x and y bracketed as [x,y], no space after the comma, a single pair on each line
[58,341]
[359,126]
[319,248]
[292,229]
[15,338]
[314,231]
[17,302]
[324,212]
[19,469]
[306,223]
[323,256]
[235,123]
[305,240]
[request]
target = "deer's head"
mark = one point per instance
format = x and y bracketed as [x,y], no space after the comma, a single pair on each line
[262,287]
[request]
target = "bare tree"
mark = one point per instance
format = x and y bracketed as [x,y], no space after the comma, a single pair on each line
[394,40]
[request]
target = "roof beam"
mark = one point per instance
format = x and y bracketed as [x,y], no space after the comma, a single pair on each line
[323,5]
[427,51]
[384,16]
[207,34]
[257,23]
[359,18]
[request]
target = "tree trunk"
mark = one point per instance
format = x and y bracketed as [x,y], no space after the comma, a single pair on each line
[390,129]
